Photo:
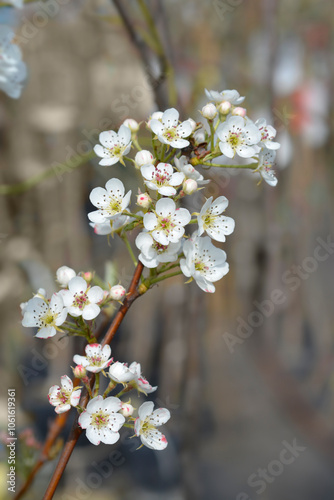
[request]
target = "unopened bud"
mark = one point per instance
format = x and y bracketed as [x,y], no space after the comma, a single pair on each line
[144,158]
[117,292]
[239,112]
[144,200]
[157,115]
[64,275]
[131,124]
[88,276]
[127,409]
[224,107]
[209,111]
[189,186]
[79,372]
[192,123]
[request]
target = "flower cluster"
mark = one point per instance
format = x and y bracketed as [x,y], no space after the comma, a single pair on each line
[159,227]
[13,71]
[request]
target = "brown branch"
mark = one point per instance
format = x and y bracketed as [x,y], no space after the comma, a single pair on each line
[76,431]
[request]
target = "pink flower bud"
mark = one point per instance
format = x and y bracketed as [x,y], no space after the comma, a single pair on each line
[209,111]
[79,371]
[64,275]
[144,200]
[117,292]
[189,186]
[127,409]
[239,112]
[224,107]
[88,276]
[131,124]
[143,158]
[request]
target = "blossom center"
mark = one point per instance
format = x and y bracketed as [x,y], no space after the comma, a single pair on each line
[200,266]
[115,205]
[80,300]
[170,133]
[234,139]
[48,319]
[159,248]
[100,419]
[166,224]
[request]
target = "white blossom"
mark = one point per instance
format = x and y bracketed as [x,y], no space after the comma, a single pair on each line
[124,374]
[114,145]
[64,275]
[102,420]
[209,111]
[111,225]
[203,262]
[167,223]
[65,396]
[237,135]
[82,300]
[13,70]
[268,133]
[110,201]
[97,358]
[146,426]
[44,315]
[211,220]
[266,161]
[189,171]
[162,178]
[231,96]
[153,253]
[169,131]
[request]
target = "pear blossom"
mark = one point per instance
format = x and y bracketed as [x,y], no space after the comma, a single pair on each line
[203,262]
[169,131]
[117,292]
[189,171]
[231,96]
[82,300]
[110,201]
[111,225]
[139,382]
[102,420]
[144,157]
[237,135]
[153,253]
[211,220]
[162,178]
[146,426]
[13,70]
[46,316]
[97,358]
[64,275]
[167,223]
[124,374]
[65,396]
[266,160]
[114,145]
[127,409]
[268,133]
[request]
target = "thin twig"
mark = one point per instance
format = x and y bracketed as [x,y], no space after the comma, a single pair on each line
[76,431]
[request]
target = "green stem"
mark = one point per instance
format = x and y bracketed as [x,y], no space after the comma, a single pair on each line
[57,170]
[128,246]
[97,384]
[136,143]
[170,155]
[212,130]
[161,278]
[250,165]
[110,387]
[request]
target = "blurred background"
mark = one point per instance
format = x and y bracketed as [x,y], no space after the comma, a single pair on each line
[247,372]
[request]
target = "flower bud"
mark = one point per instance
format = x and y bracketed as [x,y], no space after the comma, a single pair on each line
[239,112]
[224,107]
[88,276]
[143,158]
[127,409]
[209,111]
[189,186]
[131,124]
[79,371]
[144,200]
[117,292]
[64,275]
[157,115]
